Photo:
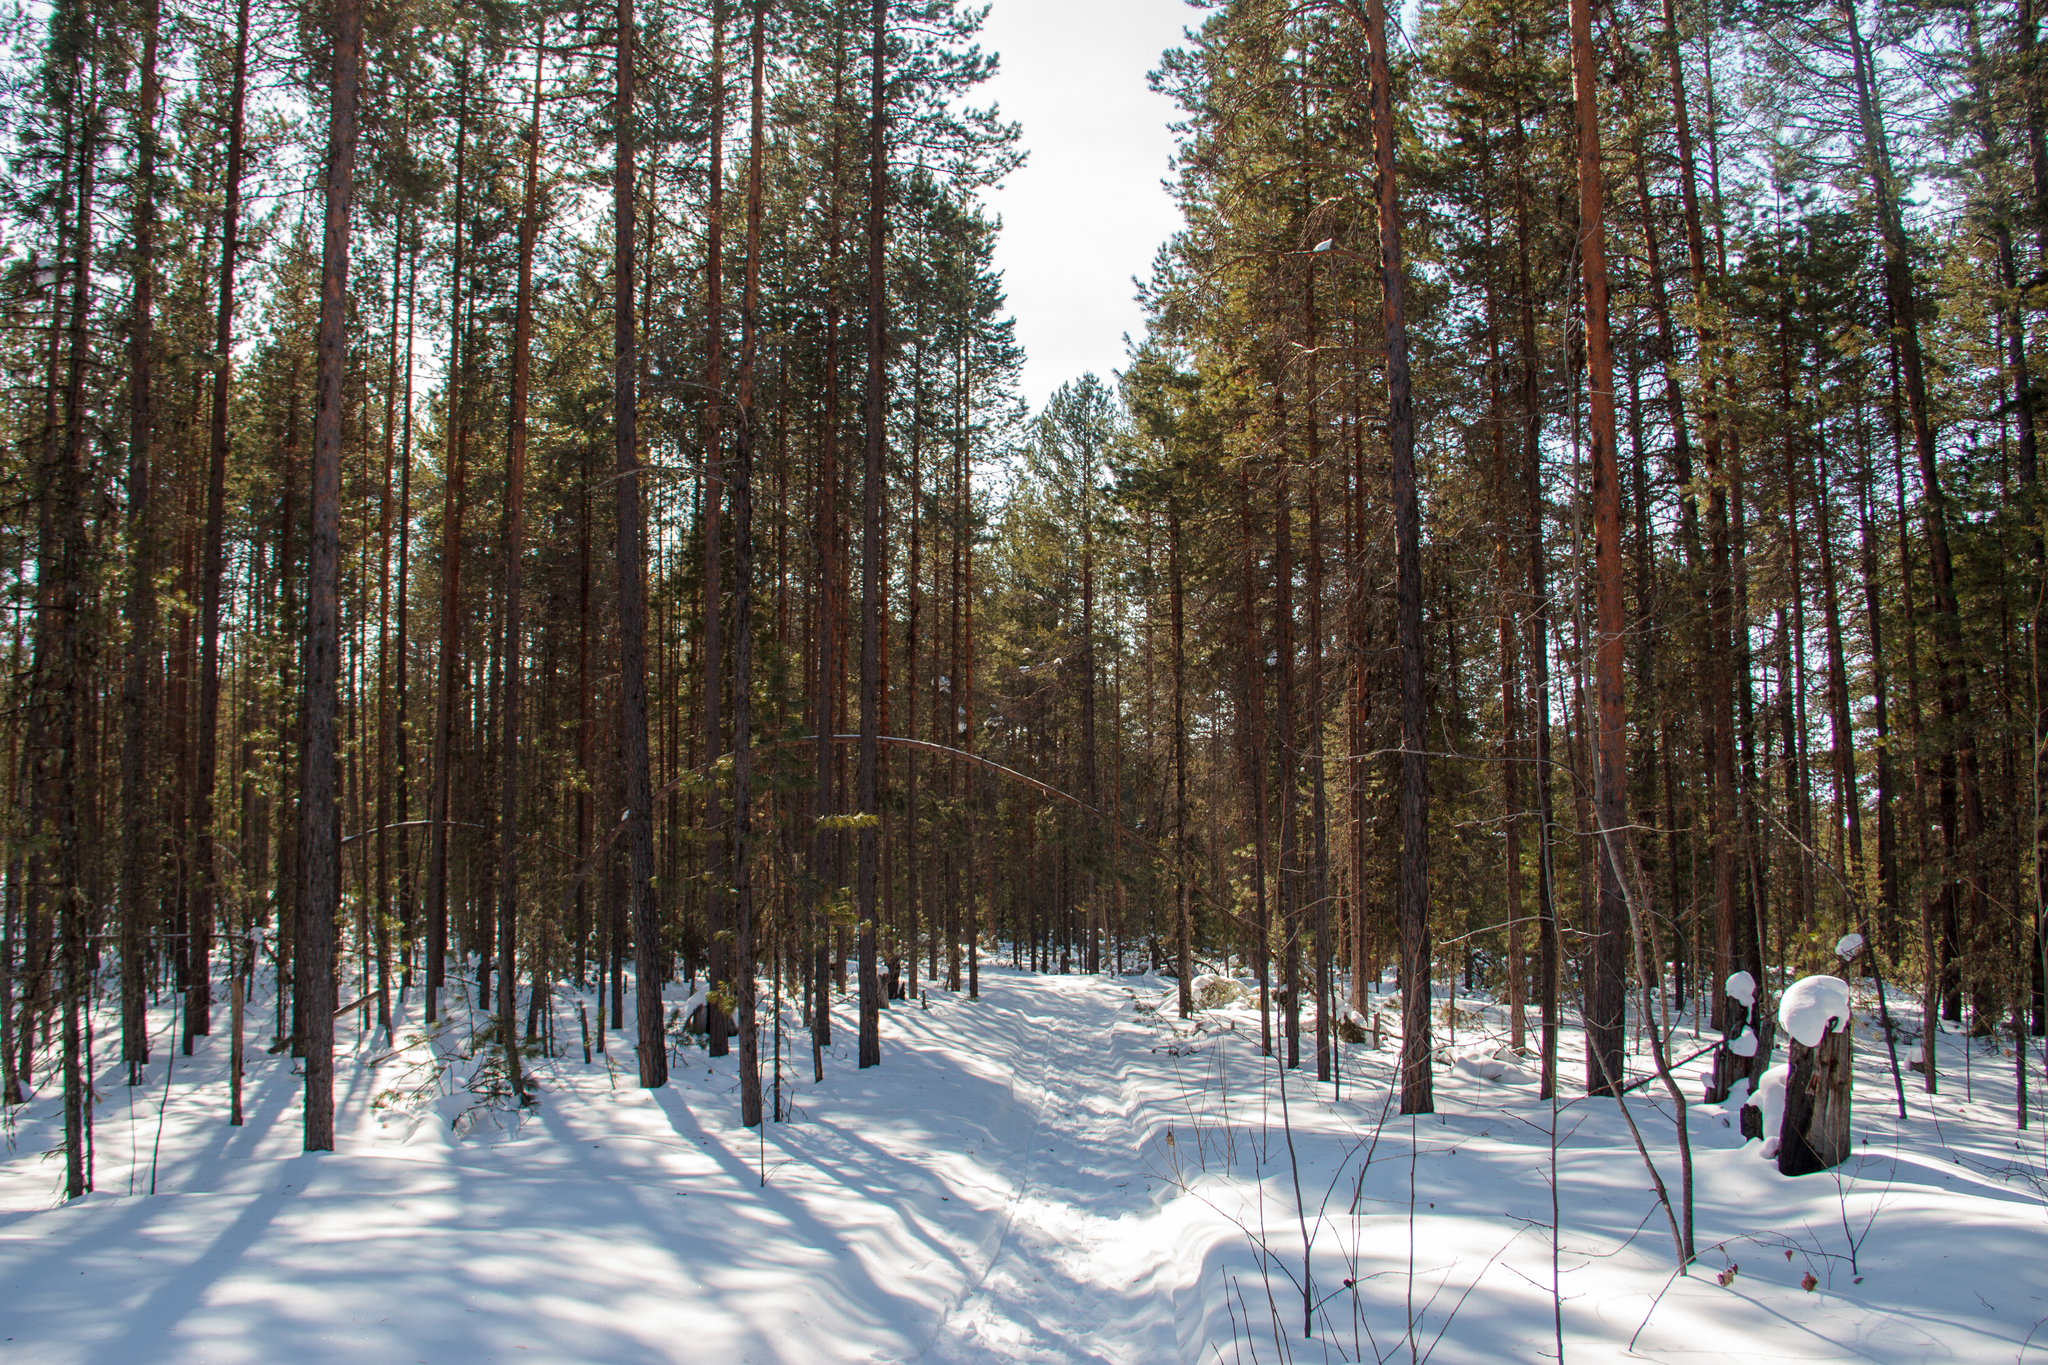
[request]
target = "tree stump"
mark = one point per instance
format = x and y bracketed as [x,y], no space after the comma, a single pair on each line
[1815,1133]
[1752,1120]
[1740,1011]
[1728,1068]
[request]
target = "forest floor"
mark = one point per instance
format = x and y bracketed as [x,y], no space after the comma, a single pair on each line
[1060,1171]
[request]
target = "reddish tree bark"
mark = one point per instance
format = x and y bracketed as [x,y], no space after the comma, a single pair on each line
[1606,991]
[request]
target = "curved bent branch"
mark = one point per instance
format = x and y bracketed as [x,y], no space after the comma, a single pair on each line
[597,854]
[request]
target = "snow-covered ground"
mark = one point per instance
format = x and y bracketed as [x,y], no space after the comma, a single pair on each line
[1056,1172]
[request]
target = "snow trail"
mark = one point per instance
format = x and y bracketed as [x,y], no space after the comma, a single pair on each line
[1002,1188]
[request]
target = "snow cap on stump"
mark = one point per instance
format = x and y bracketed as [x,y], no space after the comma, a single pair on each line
[1811,1002]
[1741,987]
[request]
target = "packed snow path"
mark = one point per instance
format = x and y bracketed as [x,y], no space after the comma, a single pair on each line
[1051,1173]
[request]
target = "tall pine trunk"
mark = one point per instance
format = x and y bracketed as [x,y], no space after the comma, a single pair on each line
[872,604]
[1537,646]
[744,446]
[648,960]
[1953,690]
[515,549]
[1606,991]
[1412,900]
[319,817]
[140,604]
[718,1043]
[199,997]
[455,438]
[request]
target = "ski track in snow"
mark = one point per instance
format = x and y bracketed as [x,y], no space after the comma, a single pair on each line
[1003,1188]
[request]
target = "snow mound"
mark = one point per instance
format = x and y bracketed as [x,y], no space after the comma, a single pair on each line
[1482,1063]
[1744,1044]
[1352,1026]
[1849,946]
[1769,1098]
[1810,1004]
[1215,992]
[1742,987]
[1716,1125]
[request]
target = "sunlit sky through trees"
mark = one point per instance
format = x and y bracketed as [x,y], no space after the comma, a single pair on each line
[1088,210]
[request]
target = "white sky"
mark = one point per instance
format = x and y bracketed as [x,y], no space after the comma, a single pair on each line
[1086,213]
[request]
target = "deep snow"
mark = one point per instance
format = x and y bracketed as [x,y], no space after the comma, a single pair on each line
[1060,1171]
